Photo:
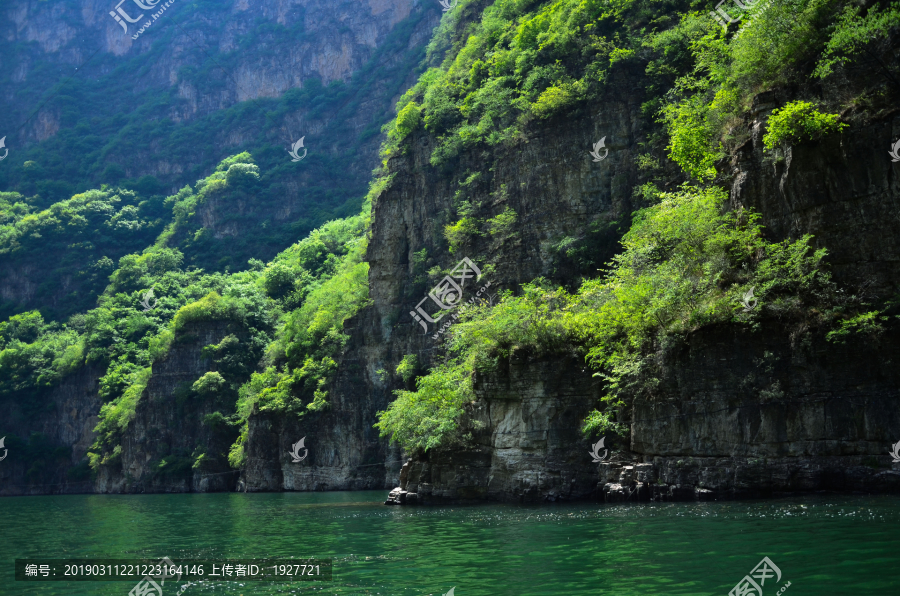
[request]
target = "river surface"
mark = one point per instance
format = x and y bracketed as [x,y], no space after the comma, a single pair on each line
[827,546]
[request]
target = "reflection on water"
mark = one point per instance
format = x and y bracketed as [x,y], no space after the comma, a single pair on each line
[821,545]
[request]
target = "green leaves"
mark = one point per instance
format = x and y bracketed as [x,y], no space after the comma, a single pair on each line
[691,138]
[685,264]
[854,32]
[426,418]
[797,122]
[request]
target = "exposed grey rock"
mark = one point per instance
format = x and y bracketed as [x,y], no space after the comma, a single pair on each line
[68,420]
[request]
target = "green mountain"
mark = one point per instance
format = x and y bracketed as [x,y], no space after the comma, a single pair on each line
[687,232]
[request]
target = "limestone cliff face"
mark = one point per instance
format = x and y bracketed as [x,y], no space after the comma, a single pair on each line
[741,413]
[338,38]
[525,444]
[45,445]
[170,432]
[195,62]
[345,452]
[842,190]
[556,190]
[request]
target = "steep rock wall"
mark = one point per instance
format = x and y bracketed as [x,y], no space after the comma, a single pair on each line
[746,413]
[843,190]
[739,414]
[555,188]
[168,433]
[47,435]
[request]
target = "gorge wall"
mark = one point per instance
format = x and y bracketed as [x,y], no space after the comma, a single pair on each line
[205,81]
[739,411]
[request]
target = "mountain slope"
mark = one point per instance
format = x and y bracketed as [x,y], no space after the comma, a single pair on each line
[85,105]
[738,214]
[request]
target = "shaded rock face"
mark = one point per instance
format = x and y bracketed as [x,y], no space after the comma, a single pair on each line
[64,422]
[740,414]
[168,434]
[730,393]
[345,452]
[556,189]
[751,414]
[843,190]
[521,440]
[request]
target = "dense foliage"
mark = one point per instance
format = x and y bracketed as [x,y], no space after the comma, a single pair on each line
[288,314]
[685,263]
[74,243]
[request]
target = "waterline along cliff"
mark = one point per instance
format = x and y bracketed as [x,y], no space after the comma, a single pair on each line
[509,250]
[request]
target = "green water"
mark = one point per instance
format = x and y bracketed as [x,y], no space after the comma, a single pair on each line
[823,546]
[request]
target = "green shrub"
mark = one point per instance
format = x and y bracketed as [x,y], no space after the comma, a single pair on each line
[243,176]
[685,265]
[854,33]
[501,225]
[691,139]
[407,120]
[210,308]
[458,234]
[210,383]
[278,280]
[425,418]
[236,454]
[557,99]
[797,122]
[115,417]
[869,323]
[408,367]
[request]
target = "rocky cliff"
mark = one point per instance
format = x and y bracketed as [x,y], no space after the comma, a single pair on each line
[551,182]
[741,413]
[200,84]
[46,455]
[773,407]
[172,429]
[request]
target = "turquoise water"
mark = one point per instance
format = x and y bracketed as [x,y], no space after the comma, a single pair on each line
[823,545]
